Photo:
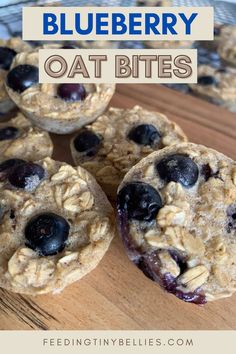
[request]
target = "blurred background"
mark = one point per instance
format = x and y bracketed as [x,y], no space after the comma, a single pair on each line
[209,53]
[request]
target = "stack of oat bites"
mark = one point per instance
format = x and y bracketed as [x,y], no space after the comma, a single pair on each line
[176,201]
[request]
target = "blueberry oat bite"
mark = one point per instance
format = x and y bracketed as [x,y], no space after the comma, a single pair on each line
[217,85]
[18,138]
[56,225]
[58,108]
[177,212]
[8,50]
[117,140]
[227,46]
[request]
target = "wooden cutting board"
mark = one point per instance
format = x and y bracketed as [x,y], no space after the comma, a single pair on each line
[116,295]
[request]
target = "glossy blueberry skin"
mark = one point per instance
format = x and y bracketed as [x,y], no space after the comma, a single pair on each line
[87,142]
[140,201]
[8,166]
[47,234]
[217,31]
[231,216]
[207,80]
[71,92]
[8,133]
[207,172]
[178,168]
[22,77]
[6,57]
[144,134]
[26,176]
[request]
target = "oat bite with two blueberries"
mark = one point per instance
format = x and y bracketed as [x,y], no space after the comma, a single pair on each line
[177,212]
[60,109]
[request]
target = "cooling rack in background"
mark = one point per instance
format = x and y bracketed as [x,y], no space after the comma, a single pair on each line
[10,10]
[225,12]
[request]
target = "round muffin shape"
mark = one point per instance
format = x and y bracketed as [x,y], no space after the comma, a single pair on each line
[19,139]
[109,147]
[57,108]
[54,233]
[216,85]
[8,50]
[187,243]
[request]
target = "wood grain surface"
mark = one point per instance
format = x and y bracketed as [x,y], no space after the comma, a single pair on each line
[116,295]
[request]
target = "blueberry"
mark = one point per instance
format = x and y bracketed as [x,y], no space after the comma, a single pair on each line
[231,214]
[88,142]
[22,77]
[195,297]
[207,172]
[71,92]
[8,133]
[47,234]
[217,31]
[10,164]
[207,80]
[180,259]
[144,134]
[6,57]
[139,200]
[7,166]
[178,168]
[27,176]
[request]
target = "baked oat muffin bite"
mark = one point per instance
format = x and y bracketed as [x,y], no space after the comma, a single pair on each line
[217,85]
[177,212]
[227,46]
[8,50]
[58,108]
[56,225]
[109,147]
[19,139]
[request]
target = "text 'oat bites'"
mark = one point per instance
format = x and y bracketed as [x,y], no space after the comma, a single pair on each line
[57,108]
[120,138]
[56,225]
[20,139]
[177,218]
